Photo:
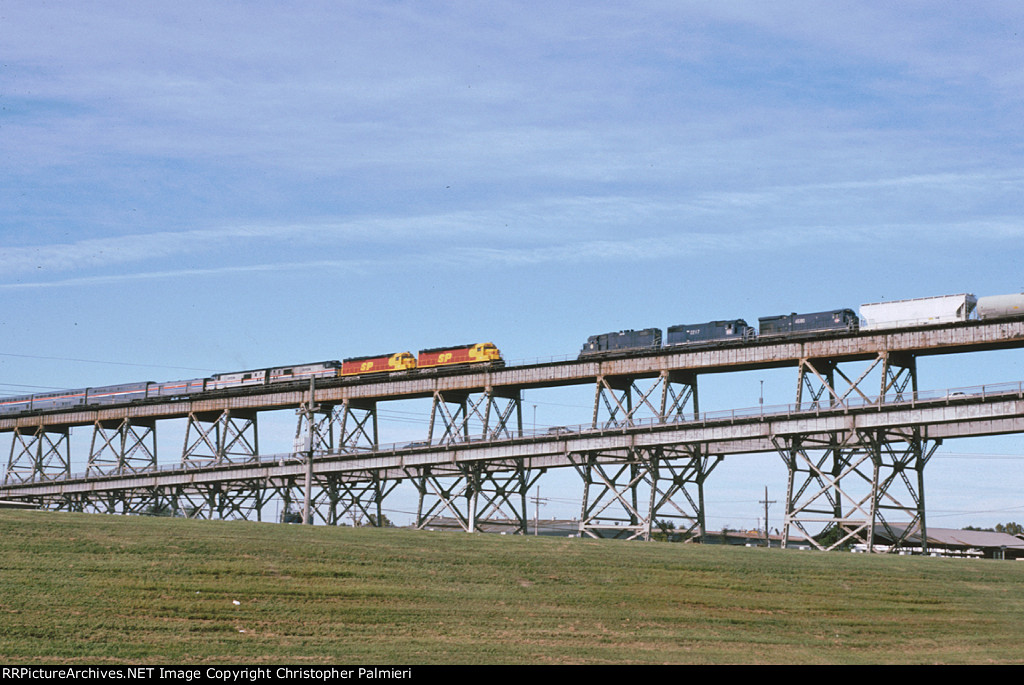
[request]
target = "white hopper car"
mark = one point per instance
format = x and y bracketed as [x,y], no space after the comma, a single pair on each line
[922,311]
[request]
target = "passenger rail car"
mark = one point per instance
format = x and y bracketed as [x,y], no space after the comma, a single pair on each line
[303,372]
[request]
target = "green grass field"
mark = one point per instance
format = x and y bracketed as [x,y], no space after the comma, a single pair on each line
[78,588]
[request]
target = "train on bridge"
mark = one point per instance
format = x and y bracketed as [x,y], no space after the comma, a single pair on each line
[428,361]
[878,316]
[899,314]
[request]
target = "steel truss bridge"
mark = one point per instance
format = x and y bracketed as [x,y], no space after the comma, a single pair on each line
[855,442]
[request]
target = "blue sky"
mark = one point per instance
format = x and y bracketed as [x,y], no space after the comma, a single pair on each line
[205,187]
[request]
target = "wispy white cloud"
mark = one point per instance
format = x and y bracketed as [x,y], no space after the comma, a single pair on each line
[539,229]
[684,244]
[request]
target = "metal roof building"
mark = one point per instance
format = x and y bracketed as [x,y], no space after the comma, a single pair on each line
[954,542]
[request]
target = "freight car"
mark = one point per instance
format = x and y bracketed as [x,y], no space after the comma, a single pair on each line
[921,311]
[1000,306]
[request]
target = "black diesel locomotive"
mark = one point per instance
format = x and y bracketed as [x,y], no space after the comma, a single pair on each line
[713,333]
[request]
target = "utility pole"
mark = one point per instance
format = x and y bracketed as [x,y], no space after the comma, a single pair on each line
[311,420]
[536,511]
[536,503]
[766,502]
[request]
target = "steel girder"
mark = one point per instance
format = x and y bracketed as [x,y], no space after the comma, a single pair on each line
[819,499]
[463,415]
[221,437]
[242,499]
[362,499]
[625,402]
[139,501]
[825,472]
[327,497]
[475,496]
[333,498]
[625,495]
[900,457]
[194,502]
[818,379]
[851,483]
[898,372]
[44,453]
[348,427]
[142,501]
[358,427]
[677,471]
[237,499]
[122,446]
[66,502]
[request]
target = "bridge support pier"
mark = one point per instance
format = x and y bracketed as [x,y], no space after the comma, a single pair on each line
[624,401]
[628,495]
[361,500]
[475,496]
[42,453]
[850,484]
[845,482]
[237,499]
[334,498]
[817,381]
[461,415]
[140,501]
[122,446]
[224,437]
[348,427]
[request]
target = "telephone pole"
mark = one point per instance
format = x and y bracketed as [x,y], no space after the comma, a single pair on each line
[766,502]
[536,511]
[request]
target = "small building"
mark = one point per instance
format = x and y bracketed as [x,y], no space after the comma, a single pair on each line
[551,527]
[753,538]
[12,504]
[952,542]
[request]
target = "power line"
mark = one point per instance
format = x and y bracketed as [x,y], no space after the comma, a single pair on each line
[98,361]
[970,455]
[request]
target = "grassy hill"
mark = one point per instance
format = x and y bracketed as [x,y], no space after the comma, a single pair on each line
[78,588]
